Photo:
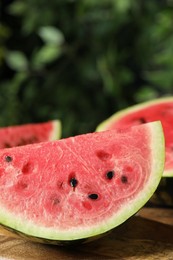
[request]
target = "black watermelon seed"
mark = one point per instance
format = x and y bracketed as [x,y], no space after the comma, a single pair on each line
[110,175]
[102,155]
[142,120]
[56,201]
[8,158]
[93,196]
[6,145]
[124,179]
[73,182]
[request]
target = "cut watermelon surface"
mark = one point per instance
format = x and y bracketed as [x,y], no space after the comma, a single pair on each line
[160,109]
[82,186]
[29,133]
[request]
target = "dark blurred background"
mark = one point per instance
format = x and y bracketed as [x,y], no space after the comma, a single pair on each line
[81,61]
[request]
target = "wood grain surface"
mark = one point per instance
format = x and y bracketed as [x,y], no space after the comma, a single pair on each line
[148,235]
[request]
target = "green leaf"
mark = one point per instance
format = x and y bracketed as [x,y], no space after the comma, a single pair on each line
[145,93]
[51,35]
[161,78]
[107,77]
[17,8]
[4,32]
[122,5]
[45,55]
[16,60]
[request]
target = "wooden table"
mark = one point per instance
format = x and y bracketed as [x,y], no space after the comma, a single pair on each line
[148,235]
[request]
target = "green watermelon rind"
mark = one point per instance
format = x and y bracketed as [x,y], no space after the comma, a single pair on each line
[56,130]
[118,115]
[158,157]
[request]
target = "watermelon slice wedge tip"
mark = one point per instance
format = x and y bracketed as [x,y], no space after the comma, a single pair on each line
[79,187]
[18,135]
[158,109]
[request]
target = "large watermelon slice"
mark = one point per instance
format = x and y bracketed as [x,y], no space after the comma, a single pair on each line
[82,186]
[159,109]
[29,133]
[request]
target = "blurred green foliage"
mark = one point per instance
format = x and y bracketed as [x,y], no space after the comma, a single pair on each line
[80,61]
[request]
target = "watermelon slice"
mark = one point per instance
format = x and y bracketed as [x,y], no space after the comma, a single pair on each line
[29,133]
[159,109]
[79,187]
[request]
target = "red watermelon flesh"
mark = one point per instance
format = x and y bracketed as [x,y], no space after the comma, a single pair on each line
[81,186]
[29,133]
[159,109]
